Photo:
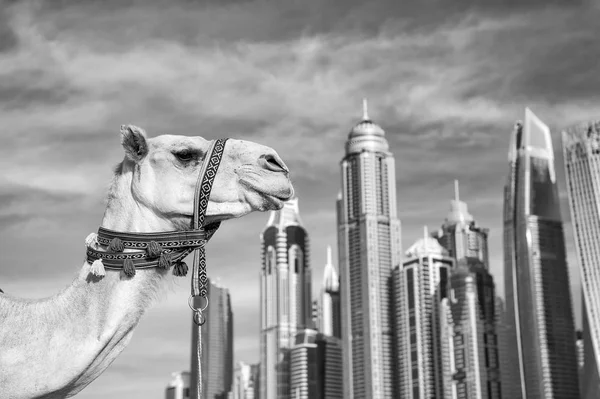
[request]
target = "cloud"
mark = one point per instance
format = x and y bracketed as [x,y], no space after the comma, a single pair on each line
[447,85]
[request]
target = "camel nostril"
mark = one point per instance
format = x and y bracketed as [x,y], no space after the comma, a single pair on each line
[274,163]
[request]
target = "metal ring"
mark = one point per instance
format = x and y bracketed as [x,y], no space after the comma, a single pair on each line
[201,309]
[199,318]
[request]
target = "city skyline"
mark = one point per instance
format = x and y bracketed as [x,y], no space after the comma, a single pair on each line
[445,100]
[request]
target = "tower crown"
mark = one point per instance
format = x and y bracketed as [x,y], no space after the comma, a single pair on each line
[426,246]
[459,211]
[287,216]
[366,135]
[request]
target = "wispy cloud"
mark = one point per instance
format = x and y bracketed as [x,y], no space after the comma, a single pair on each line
[446,85]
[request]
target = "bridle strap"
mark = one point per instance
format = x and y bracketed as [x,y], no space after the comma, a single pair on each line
[206,179]
[199,278]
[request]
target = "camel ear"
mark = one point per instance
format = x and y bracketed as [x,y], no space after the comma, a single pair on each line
[134,142]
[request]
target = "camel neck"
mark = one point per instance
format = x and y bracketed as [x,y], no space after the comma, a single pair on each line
[124,213]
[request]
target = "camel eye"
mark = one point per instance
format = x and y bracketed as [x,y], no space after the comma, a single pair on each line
[186,155]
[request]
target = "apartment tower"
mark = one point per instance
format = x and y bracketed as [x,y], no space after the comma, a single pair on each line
[369,246]
[470,342]
[285,297]
[420,283]
[581,148]
[539,317]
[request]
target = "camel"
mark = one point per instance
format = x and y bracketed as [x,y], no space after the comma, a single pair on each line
[55,347]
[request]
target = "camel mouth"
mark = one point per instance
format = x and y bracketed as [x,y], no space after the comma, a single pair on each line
[282,194]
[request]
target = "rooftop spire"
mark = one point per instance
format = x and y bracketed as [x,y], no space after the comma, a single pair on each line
[456,196]
[329,261]
[365,110]
[425,233]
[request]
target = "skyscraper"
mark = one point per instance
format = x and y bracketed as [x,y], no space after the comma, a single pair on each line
[243,385]
[420,283]
[179,386]
[470,343]
[285,297]
[538,301]
[316,366]
[369,245]
[461,236]
[581,148]
[217,345]
[330,322]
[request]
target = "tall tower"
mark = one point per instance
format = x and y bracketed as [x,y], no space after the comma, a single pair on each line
[243,386]
[538,300]
[581,147]
[285,297]
[217,344]
[316,366]
[179,386]
[330,322]
[369,245]
[468,322]
[420,283]
[461,236]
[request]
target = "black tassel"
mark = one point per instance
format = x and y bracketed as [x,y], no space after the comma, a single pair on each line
[154,249]
[164,262]
[129,268]
[180,269]
[116,245]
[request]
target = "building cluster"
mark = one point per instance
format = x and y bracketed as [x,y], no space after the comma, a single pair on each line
[425,321]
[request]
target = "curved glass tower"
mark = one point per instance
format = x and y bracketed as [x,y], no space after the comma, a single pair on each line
[539,317]
[581,146]
[369,245]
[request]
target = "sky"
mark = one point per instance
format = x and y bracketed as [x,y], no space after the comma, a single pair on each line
[446,81]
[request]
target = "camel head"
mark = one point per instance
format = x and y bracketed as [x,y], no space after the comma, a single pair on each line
[165,169]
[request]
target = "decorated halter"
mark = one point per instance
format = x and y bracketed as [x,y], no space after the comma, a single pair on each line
[165,249]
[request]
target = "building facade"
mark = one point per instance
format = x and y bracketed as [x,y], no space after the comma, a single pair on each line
[538,300]
[243,384]
[469,339]
[285,297]
[179,386]
[316,366]
[460,234]
[369,246]
[419,284]
[330,318]
[217,345]
[581,149]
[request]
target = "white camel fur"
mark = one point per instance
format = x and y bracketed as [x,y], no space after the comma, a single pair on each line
[55,347]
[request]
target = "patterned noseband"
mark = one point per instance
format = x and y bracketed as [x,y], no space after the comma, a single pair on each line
[165,249]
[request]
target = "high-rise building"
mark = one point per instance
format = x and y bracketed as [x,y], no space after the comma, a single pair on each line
[460,235]
[330,321]
[179,386]
[504,352]
[315,314]
[217,345]
[285,296]
[243,385]
[255,378]
[538,300]
[420,283]
[316,366]
[589,378]
[369,245]
[469,339]
[581,148]
[580,356]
